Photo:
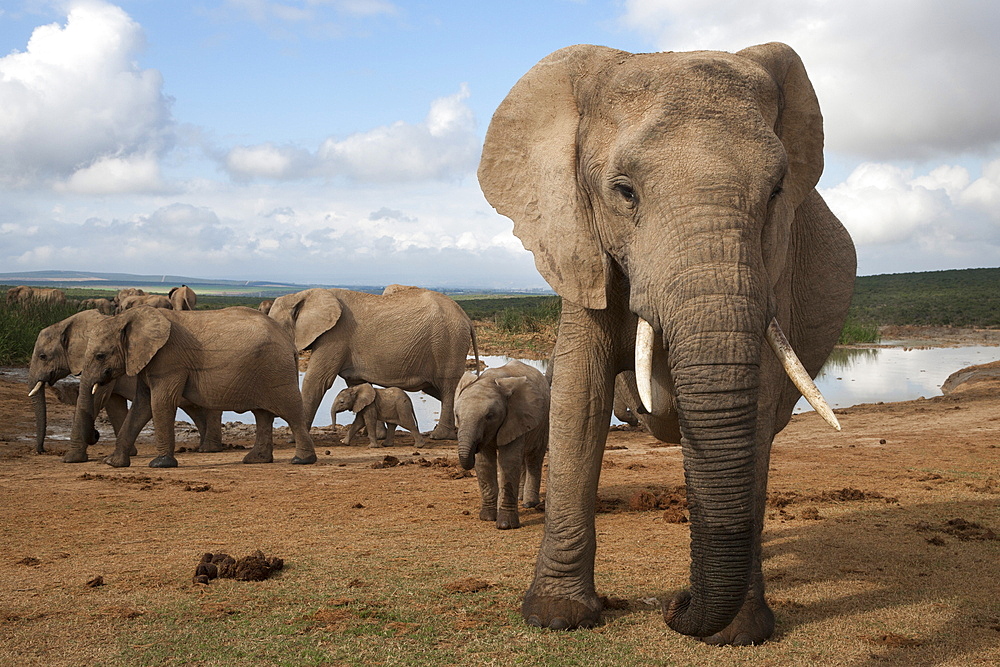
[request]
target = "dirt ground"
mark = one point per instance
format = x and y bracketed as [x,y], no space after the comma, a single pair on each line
[881,542]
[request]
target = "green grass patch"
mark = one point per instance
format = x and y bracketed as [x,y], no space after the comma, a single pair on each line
[20,324]
[855,332]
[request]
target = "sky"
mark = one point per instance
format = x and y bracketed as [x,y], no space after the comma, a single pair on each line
[336,141]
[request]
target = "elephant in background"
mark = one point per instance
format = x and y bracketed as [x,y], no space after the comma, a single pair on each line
[59,351]
[503,426]
[389,405]
[230,359]
[413,338]
[265,306]
[103,306]
[134,300]
[670,199]
[182,298]
[23,294]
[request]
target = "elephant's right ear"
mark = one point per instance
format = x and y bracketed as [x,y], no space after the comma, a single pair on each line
[528,172]
[364,396]
[144,331]
[309,313]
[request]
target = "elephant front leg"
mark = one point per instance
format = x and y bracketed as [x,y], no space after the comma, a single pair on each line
[138,416]
[562,595]
[371,425]
[509,463]
[486,473]
[353,429]
[164,414]
[263,446]
[209,423]
[531,474]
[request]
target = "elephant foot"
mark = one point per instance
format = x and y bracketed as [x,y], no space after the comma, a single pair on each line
[442,433]
[560,613]
[75,456]
[165,461]
[132,451]
[118,461]
[375,445]
[754,624]
[304,460]
[488,514]
[210,448]
[258,456]
[531,503]
[508,519]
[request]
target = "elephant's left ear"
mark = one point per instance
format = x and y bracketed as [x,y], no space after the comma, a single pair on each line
[800,123]
[364,396]
[527,407]
[144,331]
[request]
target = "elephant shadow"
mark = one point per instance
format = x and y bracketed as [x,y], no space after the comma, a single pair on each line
[883,559]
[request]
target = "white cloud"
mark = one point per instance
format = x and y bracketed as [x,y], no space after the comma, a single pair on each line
[443,146]
[895,80]
[76,106]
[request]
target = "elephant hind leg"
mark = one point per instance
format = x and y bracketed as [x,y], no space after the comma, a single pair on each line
[263,445]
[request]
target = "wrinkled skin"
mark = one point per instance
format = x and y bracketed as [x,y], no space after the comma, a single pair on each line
[58,352]
[182,298]
[230,359]
[679,188]
[374,407]
[503,429]
[410,338]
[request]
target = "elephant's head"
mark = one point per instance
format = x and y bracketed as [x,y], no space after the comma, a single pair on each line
[355,398]
[495,409]
[59,351]
[124,345]
[306,315]
[673,178]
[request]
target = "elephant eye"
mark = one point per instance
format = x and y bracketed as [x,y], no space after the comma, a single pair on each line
[43,357]
[627,193]
[777,191]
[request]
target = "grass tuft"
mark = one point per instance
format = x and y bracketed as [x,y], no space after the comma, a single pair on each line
[20,324]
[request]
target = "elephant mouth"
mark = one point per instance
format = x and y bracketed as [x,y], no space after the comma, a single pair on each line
[648,356]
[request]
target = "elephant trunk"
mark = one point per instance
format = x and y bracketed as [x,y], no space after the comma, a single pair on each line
[41,418]
[469,439]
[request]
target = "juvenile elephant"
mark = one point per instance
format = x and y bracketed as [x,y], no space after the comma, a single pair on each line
[390,405]
[670,199]
[134,300]
[103,306]
[413,338]
[182,298]
[503,426]
[59,351]
[230,359]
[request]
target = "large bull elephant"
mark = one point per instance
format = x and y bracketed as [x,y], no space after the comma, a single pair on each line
[59,351]
[410,338]
[670,199]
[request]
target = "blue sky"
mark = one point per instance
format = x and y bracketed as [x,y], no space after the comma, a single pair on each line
[336,141]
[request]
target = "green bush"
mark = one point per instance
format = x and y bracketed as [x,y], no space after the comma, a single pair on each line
[855,332]
[531,319]
[20,324]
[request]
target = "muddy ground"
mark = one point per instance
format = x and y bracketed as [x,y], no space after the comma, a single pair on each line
[881,542]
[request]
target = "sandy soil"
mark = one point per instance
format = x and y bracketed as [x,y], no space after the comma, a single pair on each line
[881,540]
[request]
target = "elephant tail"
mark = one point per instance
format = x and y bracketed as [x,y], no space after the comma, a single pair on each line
[475,345]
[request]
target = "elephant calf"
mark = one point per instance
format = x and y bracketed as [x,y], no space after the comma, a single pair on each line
[503,417]
[372,406]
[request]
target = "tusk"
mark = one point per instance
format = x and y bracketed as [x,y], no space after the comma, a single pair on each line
[36,389]
[93,390]
[644,363]
[797,373]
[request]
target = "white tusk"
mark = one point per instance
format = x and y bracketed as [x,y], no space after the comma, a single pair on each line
[36,389]
[93,390]
[644,363]
[797,373]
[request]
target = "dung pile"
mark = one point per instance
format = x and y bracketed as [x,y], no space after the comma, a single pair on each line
[255,567]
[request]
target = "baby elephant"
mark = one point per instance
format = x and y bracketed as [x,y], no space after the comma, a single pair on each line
[503,422]
[373,406]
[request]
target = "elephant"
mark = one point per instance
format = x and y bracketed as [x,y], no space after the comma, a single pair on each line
[503,426]
[127,292]
[154,300]
[103,306]
[59,351]
[23,294]
[414,339]
[230,359]
[389,405]
[182,298]
[670,199]
[265,306]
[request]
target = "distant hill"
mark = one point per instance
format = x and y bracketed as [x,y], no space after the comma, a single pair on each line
[86,281]
[960,298]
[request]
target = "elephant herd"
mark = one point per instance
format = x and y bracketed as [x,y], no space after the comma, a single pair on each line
[670,200]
